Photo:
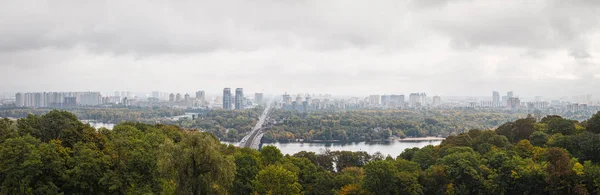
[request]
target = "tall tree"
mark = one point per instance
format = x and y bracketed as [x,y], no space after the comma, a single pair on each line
[198,165]
[275,179]
[20,165]
[593,124]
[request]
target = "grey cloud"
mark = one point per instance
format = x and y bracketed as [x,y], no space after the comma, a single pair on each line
[580,54]
[352,46]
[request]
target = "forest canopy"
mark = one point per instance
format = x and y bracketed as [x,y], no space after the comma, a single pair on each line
[55,153]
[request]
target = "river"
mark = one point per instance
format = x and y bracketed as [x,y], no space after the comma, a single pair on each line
[392,148]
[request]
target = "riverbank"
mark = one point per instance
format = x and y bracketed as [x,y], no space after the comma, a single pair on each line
[421,139]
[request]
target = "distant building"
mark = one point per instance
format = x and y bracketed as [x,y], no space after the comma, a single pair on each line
[70,102]
[495,99]
[178,97]
[171,97]
[125,102]
[156,94]
[375,100]
[414,99]
[200,96]
[298,99]
[19,101]
[239,98]
[186,97]
[437,101]
[258,97]
[227,98]
[90,99]
[513,102]
[287,99]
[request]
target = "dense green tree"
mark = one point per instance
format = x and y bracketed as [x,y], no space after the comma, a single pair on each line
[270,155]
[464,169]
[89,166]
[380,177]
[559,171]
[198,165]
[518,130]
[593,124]
[426,156]
[591,177]
[345,159]
[275,179]
[7,129]
[408,153]
[557,124]
[247,164]
[383,177]
[20,165]
[324,160]
[539,138]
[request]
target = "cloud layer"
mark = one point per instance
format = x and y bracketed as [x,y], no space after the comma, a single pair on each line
[445,47]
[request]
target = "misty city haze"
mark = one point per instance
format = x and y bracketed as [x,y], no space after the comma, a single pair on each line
[446,47]
[300,97]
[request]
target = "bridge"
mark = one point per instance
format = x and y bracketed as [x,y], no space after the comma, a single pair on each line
[252,140]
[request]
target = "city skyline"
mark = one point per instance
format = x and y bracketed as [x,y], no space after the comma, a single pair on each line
[452,48]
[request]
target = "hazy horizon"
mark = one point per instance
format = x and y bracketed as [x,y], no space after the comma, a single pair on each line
[546,48]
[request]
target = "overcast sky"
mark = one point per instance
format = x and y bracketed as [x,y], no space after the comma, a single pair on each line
[443,47]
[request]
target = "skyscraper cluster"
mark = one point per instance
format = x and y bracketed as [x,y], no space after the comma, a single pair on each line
[58,99]
[238,100]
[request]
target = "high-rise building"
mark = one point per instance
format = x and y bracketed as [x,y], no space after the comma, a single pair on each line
[69,102]
[178,97]
[375,100]
[156,94]
[258,97]
[414,99]
[90,98]
[437,101]
[287,99]
[227,98]
[509,94]
[171,97]
[19,101]
[200,96]
[239,98]
[186,97]
[495,99]
[299,99]
[400,101]
[514,102]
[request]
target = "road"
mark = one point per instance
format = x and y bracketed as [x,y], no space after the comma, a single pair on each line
[252,140]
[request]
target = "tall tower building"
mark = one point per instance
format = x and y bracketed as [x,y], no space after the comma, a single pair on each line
[495,99]
[509,94]
[239,98]
[200,96]
[437,101]
[19,100]
[227,98]
[258,98]
[178,97]
[171,97]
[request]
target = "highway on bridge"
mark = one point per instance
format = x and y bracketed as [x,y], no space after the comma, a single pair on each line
[252,140]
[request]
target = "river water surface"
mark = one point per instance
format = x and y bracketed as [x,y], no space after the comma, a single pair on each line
[392,148]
